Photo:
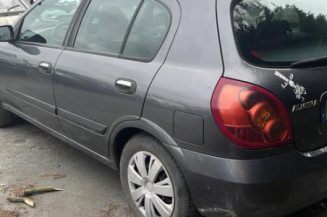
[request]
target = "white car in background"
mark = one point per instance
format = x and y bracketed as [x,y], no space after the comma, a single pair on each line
[11,9]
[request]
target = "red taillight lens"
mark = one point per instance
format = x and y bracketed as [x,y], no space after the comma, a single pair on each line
[250,116]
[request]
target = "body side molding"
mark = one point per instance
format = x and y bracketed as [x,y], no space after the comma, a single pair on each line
[33,101]
[58,135]
[86,123]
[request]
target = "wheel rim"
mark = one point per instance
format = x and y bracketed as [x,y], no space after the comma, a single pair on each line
[150,185]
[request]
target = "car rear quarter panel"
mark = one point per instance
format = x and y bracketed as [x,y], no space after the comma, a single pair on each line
[184,85]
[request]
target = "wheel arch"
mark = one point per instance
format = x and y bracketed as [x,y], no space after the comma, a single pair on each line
[127,129]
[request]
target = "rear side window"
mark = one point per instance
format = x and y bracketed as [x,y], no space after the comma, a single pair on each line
[280,32]
[148,31]
[105,24]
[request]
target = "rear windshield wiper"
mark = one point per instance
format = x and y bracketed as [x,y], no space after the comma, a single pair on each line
[314,62]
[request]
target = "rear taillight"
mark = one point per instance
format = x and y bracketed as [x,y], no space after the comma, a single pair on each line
[250,116]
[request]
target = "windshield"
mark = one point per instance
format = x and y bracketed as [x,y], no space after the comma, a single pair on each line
[11,5]
[280,32]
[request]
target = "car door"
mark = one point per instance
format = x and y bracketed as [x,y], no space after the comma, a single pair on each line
[102,79]
[26,72]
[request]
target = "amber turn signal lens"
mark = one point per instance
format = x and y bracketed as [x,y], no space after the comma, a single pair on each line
[260,114]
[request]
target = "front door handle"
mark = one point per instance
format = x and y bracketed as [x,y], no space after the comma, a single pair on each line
[125,86]
[45,67]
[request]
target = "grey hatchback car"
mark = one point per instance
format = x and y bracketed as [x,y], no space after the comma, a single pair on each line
[211,107]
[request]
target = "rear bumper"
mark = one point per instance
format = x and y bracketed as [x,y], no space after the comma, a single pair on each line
[273,186]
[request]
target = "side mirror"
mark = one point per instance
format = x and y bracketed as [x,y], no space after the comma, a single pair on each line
[6,33]
[32,1]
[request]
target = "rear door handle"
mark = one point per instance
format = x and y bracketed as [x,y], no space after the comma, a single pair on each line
[45,67]
[125,86]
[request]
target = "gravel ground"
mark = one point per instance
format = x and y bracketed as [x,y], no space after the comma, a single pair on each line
[31,157]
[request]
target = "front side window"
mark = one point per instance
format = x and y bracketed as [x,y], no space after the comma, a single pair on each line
[280,32]
[105,25]
[48,22]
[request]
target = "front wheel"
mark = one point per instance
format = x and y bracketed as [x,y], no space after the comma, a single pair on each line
[152,181]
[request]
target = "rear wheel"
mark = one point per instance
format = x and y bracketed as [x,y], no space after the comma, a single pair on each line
[6,117]
[152,181]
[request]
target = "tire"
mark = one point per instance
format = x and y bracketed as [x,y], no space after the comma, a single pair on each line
[144,148]
[6,117]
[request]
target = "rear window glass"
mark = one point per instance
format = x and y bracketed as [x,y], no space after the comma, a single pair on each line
[280,32]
